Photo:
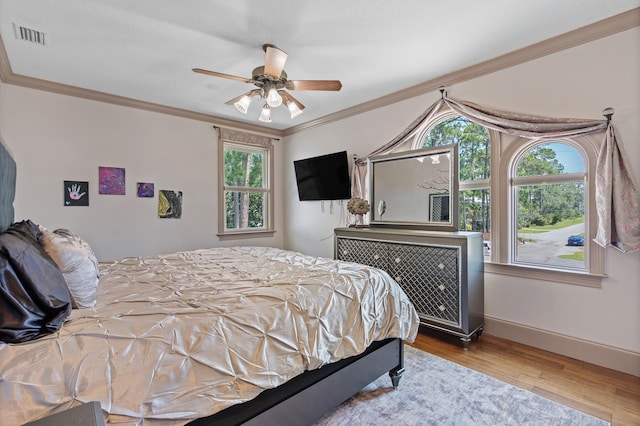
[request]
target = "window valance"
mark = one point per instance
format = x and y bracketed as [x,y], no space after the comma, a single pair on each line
[230,135]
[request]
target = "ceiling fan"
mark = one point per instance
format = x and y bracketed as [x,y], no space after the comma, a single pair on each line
[271,80]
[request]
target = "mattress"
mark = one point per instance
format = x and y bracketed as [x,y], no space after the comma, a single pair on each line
[184,335]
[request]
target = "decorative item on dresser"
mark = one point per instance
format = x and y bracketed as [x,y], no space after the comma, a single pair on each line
[441,272]
[358,207]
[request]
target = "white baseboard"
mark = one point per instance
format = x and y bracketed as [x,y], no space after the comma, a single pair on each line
[584,350]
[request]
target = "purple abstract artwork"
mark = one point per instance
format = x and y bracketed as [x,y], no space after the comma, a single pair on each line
[145,190]
[112,180]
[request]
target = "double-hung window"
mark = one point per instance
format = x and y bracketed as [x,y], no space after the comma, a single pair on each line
[245,192]
[548,186]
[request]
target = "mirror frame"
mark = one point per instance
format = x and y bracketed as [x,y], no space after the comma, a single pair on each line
[452,225]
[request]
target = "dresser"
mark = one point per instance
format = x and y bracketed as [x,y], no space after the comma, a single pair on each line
[442,273]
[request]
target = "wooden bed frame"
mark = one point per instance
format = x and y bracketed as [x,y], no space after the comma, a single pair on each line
[301,400]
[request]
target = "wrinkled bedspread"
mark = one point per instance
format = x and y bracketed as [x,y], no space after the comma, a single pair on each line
[182,336]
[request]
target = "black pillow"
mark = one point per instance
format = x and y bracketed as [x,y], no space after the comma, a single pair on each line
[34,298]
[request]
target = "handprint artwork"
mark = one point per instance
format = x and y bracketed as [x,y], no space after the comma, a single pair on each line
[76,193]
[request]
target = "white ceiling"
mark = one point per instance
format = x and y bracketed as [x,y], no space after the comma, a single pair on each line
[145,49]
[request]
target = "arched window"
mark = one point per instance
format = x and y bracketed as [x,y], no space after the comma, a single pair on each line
[543,208]
[474,145]
[473,142]
[548,188]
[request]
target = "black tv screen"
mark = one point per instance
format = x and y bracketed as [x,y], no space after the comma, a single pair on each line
[323,178]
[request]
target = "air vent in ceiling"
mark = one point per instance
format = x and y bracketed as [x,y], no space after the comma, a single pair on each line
[29,34]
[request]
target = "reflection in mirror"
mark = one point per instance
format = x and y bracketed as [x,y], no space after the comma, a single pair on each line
[439,208]
[416,187]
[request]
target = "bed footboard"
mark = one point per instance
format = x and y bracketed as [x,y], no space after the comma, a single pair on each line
[309,396]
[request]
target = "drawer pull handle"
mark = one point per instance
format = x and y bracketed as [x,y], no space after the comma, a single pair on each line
[398,260]
[441,266]
[376,256]
[442,308]
[442,287]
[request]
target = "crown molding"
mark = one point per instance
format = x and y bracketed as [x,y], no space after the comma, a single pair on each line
[7,76]
[609,26]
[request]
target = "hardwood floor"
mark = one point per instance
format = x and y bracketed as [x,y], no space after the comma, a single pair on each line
[607,394]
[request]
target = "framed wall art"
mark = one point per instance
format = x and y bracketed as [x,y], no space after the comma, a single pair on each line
[112,180]
[145,190]
[169,204]
[76,193]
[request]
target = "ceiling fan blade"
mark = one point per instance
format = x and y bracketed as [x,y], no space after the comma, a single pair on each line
[288,98]
[219,74]
[274,60]
[251,94]
[334,85]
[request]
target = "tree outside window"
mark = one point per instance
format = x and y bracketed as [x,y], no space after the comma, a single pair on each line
[246,191]
[474,147]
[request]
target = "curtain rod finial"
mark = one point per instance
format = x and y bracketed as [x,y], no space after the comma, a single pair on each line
[443,91]
[608,112]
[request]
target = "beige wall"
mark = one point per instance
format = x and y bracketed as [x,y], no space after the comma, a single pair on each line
[55,138]
[579,82]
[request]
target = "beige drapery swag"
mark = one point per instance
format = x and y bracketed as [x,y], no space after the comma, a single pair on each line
[617,194]
[230,135]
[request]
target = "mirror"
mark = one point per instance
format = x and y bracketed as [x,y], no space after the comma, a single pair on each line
[416,188]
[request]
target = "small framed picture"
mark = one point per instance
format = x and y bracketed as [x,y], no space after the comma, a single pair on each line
[145,190]
[112,180]
[169,204]
[76,193]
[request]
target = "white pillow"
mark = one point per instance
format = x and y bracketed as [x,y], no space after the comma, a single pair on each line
[78,264]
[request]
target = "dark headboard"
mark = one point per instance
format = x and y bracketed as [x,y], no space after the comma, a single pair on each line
[7,187]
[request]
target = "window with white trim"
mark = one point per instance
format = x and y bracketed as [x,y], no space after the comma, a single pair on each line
[543,210]
[547,193]
[245,195]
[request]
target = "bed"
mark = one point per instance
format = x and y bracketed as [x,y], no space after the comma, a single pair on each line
[241,335]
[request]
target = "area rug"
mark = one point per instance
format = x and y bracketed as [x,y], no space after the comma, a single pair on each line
[434,391]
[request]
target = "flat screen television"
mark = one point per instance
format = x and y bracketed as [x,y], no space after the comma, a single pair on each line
[323,178]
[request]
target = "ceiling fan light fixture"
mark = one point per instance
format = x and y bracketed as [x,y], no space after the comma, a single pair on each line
[271,80]
[273,98]
[293,109]
[243,104]
[266,114]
